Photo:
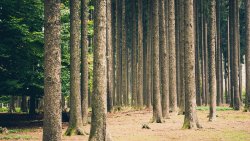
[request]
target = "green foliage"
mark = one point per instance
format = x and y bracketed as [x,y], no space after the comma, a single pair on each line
[205,108]
[17,137]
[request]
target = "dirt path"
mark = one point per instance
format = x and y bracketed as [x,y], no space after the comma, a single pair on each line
[127,126]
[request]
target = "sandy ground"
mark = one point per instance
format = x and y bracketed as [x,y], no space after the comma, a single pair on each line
[127,126]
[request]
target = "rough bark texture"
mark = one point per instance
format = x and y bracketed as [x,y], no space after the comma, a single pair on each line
[84,59]
[124,57]
[164,59]
[228,62]
[235,60]
[12,108]
[109,58]
[157,110]
[149,56]
[134,60]
[218,56]
[52,122]
[182,69]
[206,65]
[118,52]
[98,131]
[247,2]
[172,57]
[190,119]
[211,60]
[75,122]
[140,55]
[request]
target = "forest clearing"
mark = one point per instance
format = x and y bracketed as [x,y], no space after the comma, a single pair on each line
[126,125]
[125,70]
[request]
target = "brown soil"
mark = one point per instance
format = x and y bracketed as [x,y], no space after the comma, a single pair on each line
[127,126]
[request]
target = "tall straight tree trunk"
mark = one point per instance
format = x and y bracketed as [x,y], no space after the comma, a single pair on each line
[172,57]
[113,13]
[98,130]
[182,67]
[12,107]
[52,120]
[218,52]
[84,60]
[211,60]
[157,110]
[235,60]
[149,56]
[140,55]
[228,61]
[197,57]
[124,57]
[118,53]
[231,26]
[177,49]
[247,2]
[75,122]
[109,58]
[134,58]
[163,59]
[203,53]
[206,65]
[190,119]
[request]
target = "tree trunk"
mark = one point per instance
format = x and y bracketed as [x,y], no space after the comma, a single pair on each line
[84,60]
[113,13]
[32,106]
[52,121]
[140,56]
[172,57]
[203,54]
[118,53]
[247,2]
[228,62]
[211,60]
[134,56]
[124,57]
[218,52]
[206,66]
[24,107]
[149,56]
[157,110]
[190,119]
[98,131]
[182,68]
[109,58]
[12,108]
[236,56]
[75,122]
[164,61]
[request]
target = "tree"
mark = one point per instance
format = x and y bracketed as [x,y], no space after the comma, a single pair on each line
[247,54]
[134,58]
[211,60]
[172,56]
[75,121]
[84,60]
[157,110]
[52,123]
[190,119]
[140,55]
[98,130]
[109,58]
[164,60]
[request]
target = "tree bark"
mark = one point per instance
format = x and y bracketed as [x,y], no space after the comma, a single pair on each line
[75,121]
[32,106]
[211,60]
[134,58]
[109,58]
[218,52]
[190,119]
[157,110]
[172,57]
[24,107]
[52,120]
[164,61]
[247,2]
[98,131]
[84,60]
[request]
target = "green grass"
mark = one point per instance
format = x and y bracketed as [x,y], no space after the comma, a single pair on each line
[19,130]
[236,135]
[16,137]
[206,108]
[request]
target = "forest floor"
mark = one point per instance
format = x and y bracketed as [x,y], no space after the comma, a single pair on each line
[127,126]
